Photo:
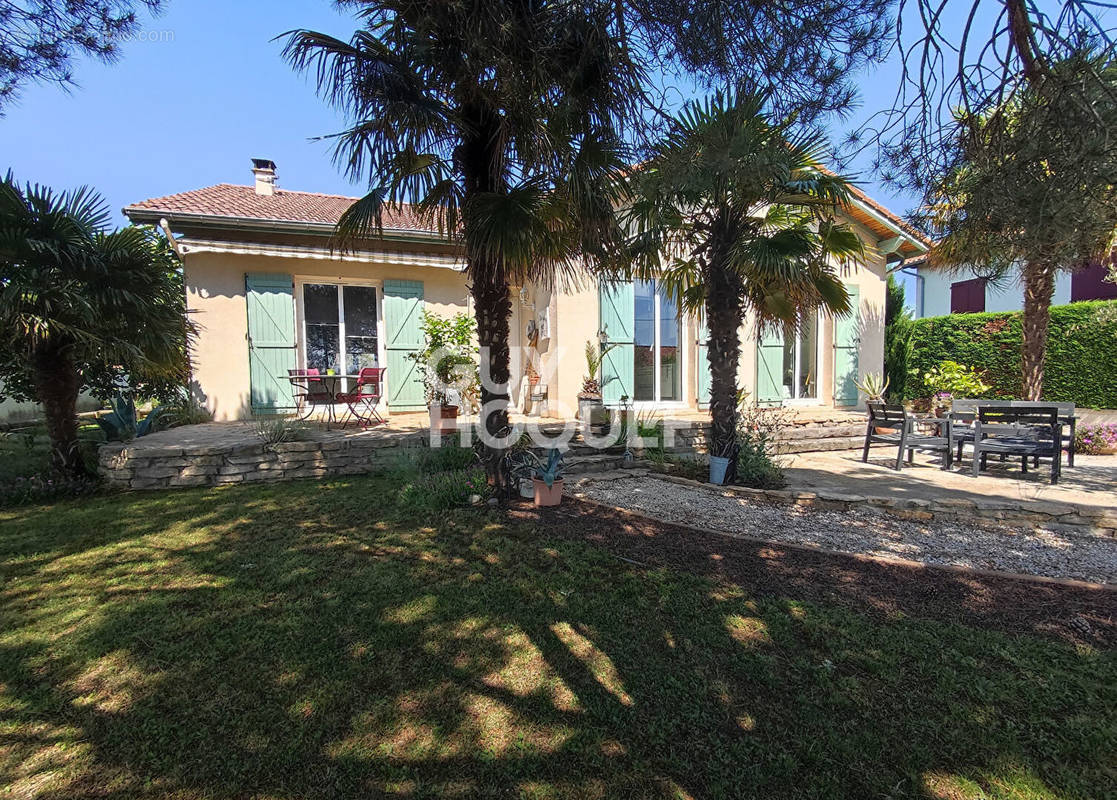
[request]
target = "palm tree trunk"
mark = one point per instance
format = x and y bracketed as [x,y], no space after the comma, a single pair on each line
[724,314]
[1039,288]
[57,385]
[492,307]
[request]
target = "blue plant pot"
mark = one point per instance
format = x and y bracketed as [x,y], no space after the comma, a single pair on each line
[718,467]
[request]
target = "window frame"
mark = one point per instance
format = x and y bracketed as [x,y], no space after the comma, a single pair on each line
[657,366]
[301,281]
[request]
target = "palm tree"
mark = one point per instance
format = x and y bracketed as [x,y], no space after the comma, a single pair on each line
[500,121]
[730,213]
[77,300]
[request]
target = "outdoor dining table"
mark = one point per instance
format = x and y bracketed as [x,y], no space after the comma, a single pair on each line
[332,386]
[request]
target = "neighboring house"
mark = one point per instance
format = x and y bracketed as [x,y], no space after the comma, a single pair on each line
[269,295]
[938,293]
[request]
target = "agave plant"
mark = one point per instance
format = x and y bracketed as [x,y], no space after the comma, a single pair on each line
[873,386]
[121,424]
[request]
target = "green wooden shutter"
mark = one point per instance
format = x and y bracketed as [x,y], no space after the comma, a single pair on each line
[618,315]
[847,348]
[403,310]
[703,363]
[270,299]
[769,368]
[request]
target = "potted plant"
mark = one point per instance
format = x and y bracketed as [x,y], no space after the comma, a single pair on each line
[589,399]
[448,366]
[547,479]
[721,459]
[941,402]
[873,386]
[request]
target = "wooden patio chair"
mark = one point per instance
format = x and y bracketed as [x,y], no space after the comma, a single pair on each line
[902,434]
[1031,433]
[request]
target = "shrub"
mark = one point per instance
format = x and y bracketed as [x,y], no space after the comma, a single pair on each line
[1081,364]
[441,491]
[1093,439]
[46,488]
[955,380]
[276,430]
[186,408]
[759,434]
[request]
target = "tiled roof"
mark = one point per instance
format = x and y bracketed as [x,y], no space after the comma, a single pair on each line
[227,200]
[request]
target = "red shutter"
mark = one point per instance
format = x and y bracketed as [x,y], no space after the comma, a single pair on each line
[967,297]
[1090,284]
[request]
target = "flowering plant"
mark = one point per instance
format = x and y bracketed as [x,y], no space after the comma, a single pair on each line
[1095,439]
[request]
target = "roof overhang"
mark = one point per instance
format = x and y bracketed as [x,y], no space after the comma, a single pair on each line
[193,245]
[179,220]
[894,240]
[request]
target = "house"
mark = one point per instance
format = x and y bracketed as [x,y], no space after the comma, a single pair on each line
[269,295]
[938,293]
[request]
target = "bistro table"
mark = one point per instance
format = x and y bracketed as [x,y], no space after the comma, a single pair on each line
[331,387]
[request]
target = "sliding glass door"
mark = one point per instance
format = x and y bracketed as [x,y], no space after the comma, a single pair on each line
[657,335]
[339,327]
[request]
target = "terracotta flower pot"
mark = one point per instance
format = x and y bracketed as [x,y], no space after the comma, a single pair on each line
[449,412]
[547,495]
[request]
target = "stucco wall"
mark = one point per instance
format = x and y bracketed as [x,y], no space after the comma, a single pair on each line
[934,292]
[215,295]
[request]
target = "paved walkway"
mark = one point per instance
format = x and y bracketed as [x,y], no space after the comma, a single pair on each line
[1092,481]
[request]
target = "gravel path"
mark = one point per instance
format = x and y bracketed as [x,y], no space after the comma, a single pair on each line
[1031,551]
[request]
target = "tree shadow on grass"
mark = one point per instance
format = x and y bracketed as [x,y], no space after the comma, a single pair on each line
[283,643]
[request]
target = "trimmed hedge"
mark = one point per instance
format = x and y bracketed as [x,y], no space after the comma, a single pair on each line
[1081,363]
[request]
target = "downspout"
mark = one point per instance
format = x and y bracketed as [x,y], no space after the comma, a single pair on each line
[166,228]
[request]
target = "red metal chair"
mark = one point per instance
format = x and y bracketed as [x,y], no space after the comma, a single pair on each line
[370,383]
[310,391]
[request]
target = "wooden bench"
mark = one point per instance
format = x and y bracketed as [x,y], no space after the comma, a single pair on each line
[1031,433]
[901,433]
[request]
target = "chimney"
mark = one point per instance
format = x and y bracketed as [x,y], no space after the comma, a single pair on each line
[264,170]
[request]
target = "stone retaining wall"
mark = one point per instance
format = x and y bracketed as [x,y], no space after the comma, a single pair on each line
[129,466]
[1060,517]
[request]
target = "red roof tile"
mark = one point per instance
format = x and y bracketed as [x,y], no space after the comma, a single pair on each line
[229,200]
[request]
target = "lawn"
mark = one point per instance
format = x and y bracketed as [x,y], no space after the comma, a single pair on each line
[311,640]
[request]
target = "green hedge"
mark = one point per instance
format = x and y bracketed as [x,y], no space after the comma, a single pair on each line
[1081,352]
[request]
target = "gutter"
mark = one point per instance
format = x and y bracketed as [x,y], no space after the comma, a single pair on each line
[901,234]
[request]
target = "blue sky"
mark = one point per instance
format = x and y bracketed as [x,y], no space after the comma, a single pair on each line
[199,94]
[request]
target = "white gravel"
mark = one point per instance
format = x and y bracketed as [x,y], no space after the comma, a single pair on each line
[870,532]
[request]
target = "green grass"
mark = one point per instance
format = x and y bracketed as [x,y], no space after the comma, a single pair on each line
[306,640]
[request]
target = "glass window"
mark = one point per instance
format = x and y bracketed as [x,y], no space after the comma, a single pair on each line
[670,380]
[808,357]
[360,328]
[644,338]
[340,327]
[656,344]
[322,329]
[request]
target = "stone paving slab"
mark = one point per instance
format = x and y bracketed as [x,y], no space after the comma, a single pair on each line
[1090,487]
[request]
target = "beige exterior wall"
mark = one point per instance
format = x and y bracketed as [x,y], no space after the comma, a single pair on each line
[566,317]
[215,295]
